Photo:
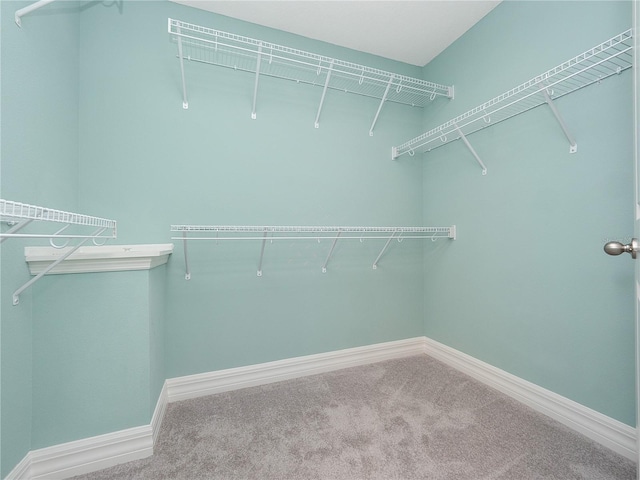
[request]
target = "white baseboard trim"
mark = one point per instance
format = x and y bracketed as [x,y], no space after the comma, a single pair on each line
[191,386]
[88,455]
[615,435]
[22,471]
[158,413]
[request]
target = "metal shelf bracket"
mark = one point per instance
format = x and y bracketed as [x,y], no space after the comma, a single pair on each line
[333,245]
[384,99]
[16,294]
[573,146]
[324,92]
[472,150]
[28,9]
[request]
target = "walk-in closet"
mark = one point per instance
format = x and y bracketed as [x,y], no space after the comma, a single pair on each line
[341,256]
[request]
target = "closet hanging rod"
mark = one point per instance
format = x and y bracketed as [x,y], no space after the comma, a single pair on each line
[609,58]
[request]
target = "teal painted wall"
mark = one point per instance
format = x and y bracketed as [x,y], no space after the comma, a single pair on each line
[527,287]
[91,368]
[39,165]
[149,163]
[156,318]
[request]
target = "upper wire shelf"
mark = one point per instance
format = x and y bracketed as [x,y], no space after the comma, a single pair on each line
[264,233]
[215,47]
[602,61]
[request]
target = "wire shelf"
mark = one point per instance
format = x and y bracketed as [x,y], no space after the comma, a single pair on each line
[602,61]
[302,232]
[20,215]
[265,232]
[15,211]
[215,47]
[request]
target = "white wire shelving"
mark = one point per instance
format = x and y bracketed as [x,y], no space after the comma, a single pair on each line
[591,67]
[269,233]
[18,215]
[261,58]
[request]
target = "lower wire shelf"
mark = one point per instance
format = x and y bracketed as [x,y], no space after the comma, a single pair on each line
[335,233]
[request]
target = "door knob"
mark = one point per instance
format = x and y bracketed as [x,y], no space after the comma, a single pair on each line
[616,248]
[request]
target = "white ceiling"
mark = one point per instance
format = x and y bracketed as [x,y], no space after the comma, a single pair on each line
[410,31]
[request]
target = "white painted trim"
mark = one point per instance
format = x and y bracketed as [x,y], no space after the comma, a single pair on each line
[91,454]
[105,258]
[191,386]
[95,453]
[158,413]
[615,435]
[22,471]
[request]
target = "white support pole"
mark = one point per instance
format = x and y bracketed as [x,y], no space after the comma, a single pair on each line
[185,103]
[16,294]
[384,99]
[28,9]
[573,146]
[473,152]
[324,92]
[386,245]
[264,242]
[255,87]
[333,245]
[187,275]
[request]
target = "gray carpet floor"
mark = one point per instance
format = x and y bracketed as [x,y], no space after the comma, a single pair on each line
[411,418]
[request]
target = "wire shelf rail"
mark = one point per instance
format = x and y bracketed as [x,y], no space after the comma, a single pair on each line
[18,215]
[611,57]
[215,47]
[264,233]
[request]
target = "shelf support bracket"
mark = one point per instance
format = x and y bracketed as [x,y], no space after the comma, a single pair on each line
[386,245]
[264,242]
[28,9]
[255,86]
[185,102]
[471,149]
[324,93]
[187,275]
[16,294]
[333,245]
[573,146]
[384,99]
[15,228]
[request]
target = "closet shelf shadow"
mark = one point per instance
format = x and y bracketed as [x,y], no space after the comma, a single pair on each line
[18,215]
[264,233]
[600,62]
[214,47]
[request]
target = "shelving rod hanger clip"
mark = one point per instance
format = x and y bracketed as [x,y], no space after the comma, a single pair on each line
[471,149]
[375,263]
[16,294]
[187,275]
[15,228]
[573,146]
[185,102]
[255,87]
[324,93]
[264,242]
[384,99]
[333,245]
